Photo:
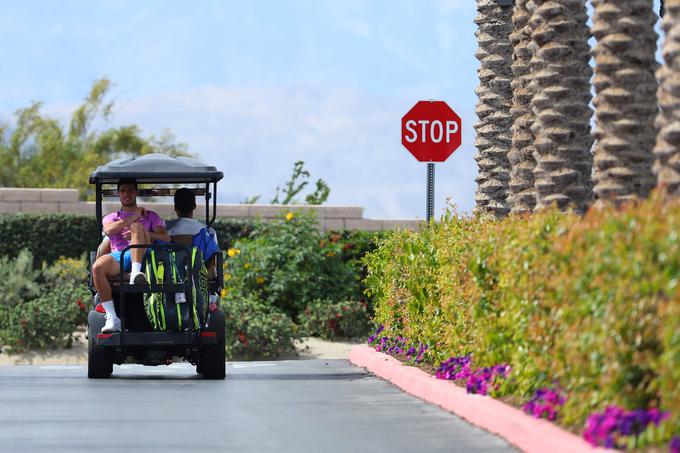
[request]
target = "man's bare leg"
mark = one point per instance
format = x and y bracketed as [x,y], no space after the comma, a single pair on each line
[138,236]
[104,267]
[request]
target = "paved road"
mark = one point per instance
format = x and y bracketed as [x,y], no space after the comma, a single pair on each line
[287,406]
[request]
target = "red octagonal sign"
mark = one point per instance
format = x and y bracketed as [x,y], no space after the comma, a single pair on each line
[431,131]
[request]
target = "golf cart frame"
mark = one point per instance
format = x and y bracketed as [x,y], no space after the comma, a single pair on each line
[137,342]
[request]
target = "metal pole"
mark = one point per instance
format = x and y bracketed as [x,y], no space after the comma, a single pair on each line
[430,192]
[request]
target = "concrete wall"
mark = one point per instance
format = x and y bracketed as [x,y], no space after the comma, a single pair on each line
[20,200]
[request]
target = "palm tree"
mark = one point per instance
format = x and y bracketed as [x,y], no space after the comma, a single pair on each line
[625,105]
[522,195]
[560,80]
[667,150]
[493,109]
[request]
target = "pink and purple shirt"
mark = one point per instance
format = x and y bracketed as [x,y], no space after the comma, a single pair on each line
[149,221]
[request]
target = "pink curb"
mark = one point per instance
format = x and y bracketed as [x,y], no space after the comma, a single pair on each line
[528,433]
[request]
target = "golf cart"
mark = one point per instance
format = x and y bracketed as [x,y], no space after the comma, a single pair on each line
[201,342]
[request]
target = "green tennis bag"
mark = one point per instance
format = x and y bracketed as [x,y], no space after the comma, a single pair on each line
[169,311]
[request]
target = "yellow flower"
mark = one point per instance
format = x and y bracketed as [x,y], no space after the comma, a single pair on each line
[227,276]
[223,293]
[259,280]
[330,254]
[290,215]
[246,266]
[233,252]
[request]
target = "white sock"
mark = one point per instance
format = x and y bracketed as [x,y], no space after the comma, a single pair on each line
[136,267]
[110,309]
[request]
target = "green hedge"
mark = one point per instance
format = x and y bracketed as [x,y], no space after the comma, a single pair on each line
[591,304]
[49,236]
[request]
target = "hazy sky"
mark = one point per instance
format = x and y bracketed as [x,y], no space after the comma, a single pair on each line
[255,86]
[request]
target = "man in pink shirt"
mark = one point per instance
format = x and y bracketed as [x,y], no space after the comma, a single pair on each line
[131,225]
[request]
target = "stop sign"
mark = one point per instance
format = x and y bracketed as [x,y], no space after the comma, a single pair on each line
[431,131]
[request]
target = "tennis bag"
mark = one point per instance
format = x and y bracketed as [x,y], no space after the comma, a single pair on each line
[168,311]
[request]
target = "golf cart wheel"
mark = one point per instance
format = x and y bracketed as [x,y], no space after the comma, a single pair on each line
[99,360]
[213,363]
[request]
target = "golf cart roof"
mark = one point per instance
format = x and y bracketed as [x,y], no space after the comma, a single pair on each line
[156,168]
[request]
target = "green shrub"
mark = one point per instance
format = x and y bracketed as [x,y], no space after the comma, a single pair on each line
[590,303]
[333,320]
[65,271]
[288,263]
[354,245]
[230,231]
[669,363]
[18,281]
[255,330]
[46,322]
[66,279]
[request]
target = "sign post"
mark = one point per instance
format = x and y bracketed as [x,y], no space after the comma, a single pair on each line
[430,192]
[431,132]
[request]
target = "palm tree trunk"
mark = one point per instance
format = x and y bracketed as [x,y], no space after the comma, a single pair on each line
[667,150]
[561,85]
[522,195]
[625,105]
[493,109]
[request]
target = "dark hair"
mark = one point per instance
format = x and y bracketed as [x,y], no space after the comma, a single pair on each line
[185,201]
[127,181]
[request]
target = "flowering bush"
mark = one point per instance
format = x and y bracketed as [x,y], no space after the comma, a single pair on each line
[255,330]
[413,353]
[590,302]
[286,264]
[545,404]
[675,445]
[45,322]
[65,271]
[331,320]
[478,381]
[455,368]
[610,427]
[482,380]
[41,310]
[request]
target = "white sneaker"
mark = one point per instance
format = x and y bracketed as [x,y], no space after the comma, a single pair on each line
[137,278]
[112,324]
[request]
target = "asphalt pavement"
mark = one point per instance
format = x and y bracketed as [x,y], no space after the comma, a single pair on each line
[283,406]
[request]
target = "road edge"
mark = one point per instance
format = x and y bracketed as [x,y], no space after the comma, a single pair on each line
[528,433]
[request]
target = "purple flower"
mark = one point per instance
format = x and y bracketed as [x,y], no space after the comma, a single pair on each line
[398,345]
[614,423]
[674,447]
[545,403]
[455,368]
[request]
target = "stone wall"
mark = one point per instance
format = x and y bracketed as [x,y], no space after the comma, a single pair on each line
[20,200]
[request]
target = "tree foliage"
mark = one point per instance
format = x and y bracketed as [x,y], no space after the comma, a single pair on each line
[40,151]
[297,182]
